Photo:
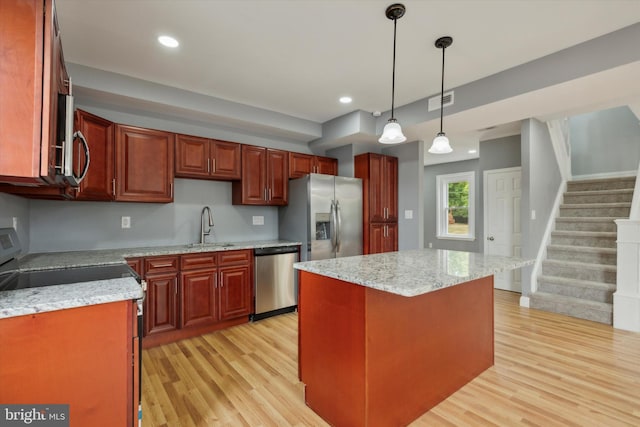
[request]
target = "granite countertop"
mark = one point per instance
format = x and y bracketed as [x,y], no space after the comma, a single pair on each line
[42,299]
[54,260]
[413,272]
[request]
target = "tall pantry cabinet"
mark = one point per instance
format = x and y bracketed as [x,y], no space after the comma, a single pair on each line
[379,174]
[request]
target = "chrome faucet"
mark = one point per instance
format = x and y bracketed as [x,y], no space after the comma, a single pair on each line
[202,224]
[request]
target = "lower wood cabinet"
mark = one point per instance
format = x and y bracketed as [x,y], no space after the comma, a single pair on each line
[196,293]
[383,238]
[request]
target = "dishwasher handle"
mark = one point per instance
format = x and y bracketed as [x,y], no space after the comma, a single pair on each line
[276,250]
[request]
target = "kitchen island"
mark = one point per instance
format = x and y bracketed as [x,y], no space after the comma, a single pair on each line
[384,338]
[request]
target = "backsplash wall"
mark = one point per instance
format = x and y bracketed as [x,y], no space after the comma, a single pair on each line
[69,226]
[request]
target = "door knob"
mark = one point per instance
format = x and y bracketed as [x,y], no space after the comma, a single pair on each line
[490,238]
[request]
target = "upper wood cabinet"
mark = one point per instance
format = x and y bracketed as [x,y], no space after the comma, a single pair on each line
[303,164]
[144,165]
[207,158]
[98,183]
[33,73]
[264,177]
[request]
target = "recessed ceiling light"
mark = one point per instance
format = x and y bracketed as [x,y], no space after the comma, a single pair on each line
[345,99]
[472,151]
[168,41]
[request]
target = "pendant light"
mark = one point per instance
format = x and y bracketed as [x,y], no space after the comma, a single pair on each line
[441,142]
[392,133]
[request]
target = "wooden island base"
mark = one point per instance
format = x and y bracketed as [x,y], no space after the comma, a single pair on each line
[373,358]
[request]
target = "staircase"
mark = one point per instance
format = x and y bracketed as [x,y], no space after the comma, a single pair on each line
[579,274]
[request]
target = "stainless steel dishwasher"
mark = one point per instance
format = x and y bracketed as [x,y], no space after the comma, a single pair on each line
[276,285]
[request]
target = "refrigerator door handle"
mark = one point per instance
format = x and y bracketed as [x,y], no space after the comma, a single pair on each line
[332,226]
[338,226]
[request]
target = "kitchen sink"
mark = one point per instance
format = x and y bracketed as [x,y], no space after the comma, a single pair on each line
[212,245]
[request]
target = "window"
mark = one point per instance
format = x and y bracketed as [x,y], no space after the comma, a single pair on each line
[456,206]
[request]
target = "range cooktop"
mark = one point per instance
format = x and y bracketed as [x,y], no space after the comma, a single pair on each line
[11,278]
[33,279]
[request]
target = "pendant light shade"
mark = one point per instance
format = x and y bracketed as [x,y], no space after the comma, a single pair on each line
[392,133]
[441,142]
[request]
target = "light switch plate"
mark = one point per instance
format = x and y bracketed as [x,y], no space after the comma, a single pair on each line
[258,220]
[533,214]
[126,222]
[408,214]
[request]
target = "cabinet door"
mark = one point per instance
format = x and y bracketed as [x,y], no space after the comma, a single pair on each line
[391,237]
[300,165]
[144,165]
[252,189]
[198,298]
[390,188]
[383,237]
[376,238]
[376,189]
[161,312]
[98,183]
[225,159]
[192,157]
[235,291]
[277,177]
[326,165]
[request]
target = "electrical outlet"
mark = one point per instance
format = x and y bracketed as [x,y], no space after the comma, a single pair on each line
[533,214]
[258,220]
[126,222]
[430,245]
[408,214]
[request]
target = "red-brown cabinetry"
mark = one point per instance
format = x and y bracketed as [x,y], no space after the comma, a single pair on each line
[205,158]
[302,164]
[33,74]
[265,173]
[196,293]
[379,174]
[144,165]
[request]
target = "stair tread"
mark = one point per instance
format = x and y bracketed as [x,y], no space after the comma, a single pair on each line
[582,265]
[599,192]
[602,306]
[587,218]
[602,180]
[595,205]
[578,233]
[589,249]
[576,282]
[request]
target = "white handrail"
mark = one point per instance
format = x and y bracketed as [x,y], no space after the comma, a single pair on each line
[635,202]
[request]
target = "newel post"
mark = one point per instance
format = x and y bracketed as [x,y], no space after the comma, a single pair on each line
[626,299]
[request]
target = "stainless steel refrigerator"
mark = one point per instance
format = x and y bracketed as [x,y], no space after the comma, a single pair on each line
[325,214]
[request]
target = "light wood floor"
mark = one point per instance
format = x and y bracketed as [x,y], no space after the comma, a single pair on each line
[550,370]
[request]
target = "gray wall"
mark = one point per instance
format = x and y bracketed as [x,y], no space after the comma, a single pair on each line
[344,155]
[605,141]
[64,226]
[16,207]
[494,154]
[541,180]
[410,193]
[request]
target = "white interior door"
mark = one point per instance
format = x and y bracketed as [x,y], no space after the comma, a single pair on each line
[502,194]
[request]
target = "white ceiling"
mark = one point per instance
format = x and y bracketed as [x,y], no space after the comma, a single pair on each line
[298,57]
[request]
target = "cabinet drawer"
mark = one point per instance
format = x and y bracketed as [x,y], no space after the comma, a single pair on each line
[197,261]
[161,264]
[235,257]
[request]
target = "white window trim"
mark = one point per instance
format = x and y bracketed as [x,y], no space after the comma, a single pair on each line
[442,209]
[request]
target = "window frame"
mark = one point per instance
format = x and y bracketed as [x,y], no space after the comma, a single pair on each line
[442,205]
